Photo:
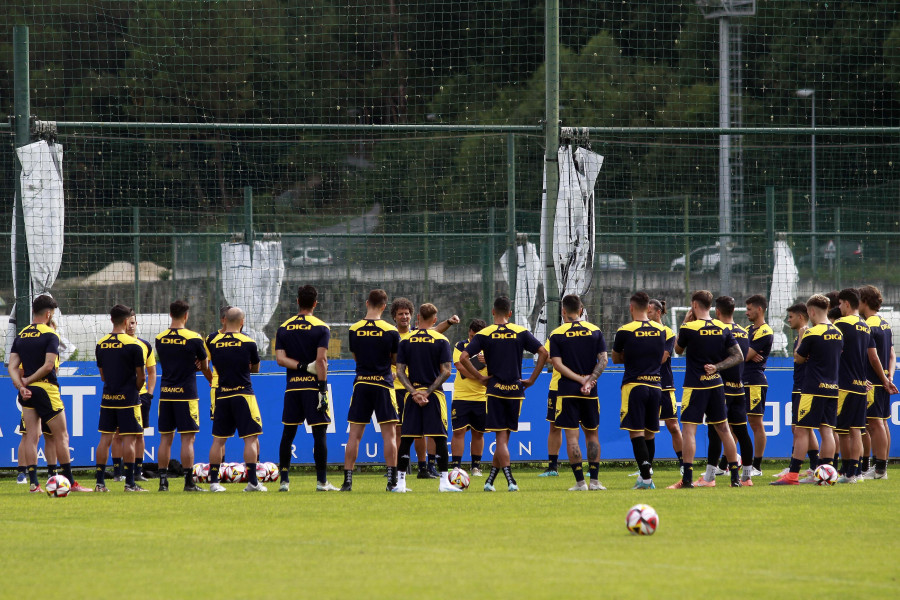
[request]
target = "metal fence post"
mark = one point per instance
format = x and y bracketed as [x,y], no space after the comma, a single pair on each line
[136,256]
[22,112]
[551,161]
[512,252]
[837,243]
[687,251]
[770,235]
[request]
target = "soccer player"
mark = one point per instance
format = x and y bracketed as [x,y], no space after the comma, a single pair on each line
[755,383]
[49,442]
[641,346]
[179,349]
[301,347]
[235,357]
[819,352]
[215,376]
[879,404]
[709,348]
[734,404]
[374,344]
[554,436]
[668,409]
[423,365]
[503,345]
[120,359]
[858,360]
[469,404]
[32,369]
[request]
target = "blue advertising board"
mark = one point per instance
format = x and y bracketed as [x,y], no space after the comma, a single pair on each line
[81,387]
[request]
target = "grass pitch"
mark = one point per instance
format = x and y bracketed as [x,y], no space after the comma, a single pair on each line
[542,542]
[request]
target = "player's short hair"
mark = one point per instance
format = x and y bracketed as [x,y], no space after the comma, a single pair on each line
[43,303]
[834,313]
[178,309]
[758,300]
[476,325]
[703,297]
[850,296]
[399,304]
[503,305]
[640,300]
[799,309]
[119,313]
[659,304]
[223,310]
[832,298]
[377,298]
[306,297]
[572,304]
[871,297]
[724,306]
[819,301]
[427,310]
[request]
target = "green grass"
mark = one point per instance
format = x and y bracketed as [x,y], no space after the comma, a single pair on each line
[542,542]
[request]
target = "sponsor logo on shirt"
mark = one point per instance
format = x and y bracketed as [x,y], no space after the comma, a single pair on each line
[176,341]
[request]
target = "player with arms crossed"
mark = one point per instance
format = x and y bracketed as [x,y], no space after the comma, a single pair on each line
[641,346]
[235,356]
[503,345]
[755,383]
[374,344]
[709,348]
[179,349]
[819,353]
[469,404]
[423,365]
[120,359]
[878,410]
[301,347]
[668,406]
[32,369]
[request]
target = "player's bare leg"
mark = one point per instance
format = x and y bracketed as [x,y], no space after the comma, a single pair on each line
[251,457]
[351,451]
[28,452]
[592,440]
[554,443]
[573,449]
[117,454]
[675,432]
[759,437]
[501,463]
[477,450]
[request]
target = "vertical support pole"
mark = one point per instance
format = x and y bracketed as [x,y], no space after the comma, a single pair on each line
[492,252]
[136,256]
[770,235]
[551,162]
[837,243]
[22,112]
[687,251]
[724,160]
[512,251]
[427,255]
[634,239]
[812,185]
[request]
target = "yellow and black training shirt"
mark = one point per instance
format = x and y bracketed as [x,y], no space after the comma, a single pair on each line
[854,359]
[33,344]
[423,352]
[666,378]
[733,376]
[883,337]
[232,354]
[372,342]
[503,347]
[821,345]
[577,344]
[178,351]
[149,361]
[466,388]
[643,343]
[120,355]
[761,341]
[706,342]
[300,337]
[397,385]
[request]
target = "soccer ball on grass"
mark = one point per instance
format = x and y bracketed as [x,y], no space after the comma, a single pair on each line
[642,520]
[58,486]
[826,475]
[458,478]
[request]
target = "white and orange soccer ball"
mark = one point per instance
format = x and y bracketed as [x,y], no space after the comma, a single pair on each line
[826,475]
[273,471]
[201,473]
[642,520]
[262,472]
[458,478]
[58,486]
[236,473]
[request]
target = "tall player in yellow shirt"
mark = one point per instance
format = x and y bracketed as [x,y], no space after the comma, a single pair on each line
[469,404]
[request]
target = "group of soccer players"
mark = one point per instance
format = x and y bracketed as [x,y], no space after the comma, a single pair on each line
[842,382]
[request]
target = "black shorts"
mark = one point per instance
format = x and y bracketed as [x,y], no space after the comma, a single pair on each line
[502,414]
[879,403]
[795,404]
[45,427]
[573,412]
[183,415]
[425,421]
[755,399]
[146,402]
[469,414]
[45,400]
[640,408]
[708,402]
[303,405]
[124,421]
[400,399]
[551,405]
[814,412]
[668,405]
[368,399]
[851,411]
[240,413]
[736,408]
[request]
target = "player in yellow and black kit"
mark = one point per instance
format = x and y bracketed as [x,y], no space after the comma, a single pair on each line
[755,383]
[214,383]
[179,350]
[819,352]
[641,346]
[554,435]
[32,369]
[878,409]
[709,348]
[120,359]
[235,357]
[301,347]
[668,405]
[374,344]
[423,365]
[468,409]
[503,345]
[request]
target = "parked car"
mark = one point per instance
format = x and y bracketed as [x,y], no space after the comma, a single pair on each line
[706,260]
[302,256]
[610,262]
[849,251]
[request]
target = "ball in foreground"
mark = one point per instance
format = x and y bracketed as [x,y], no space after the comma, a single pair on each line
[58,486]
[201,473]
[458,478]
[642,520]
[826,475]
